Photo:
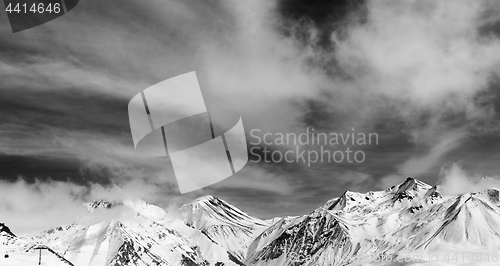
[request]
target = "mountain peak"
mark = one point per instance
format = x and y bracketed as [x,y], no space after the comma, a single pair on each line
[223,224]
[4,230]
[409,216]
[205,198]
[136,206]
[411,188]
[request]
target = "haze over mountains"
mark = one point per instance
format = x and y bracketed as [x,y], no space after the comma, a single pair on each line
[409,224]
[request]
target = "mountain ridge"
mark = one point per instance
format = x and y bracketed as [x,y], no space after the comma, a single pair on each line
[410,218]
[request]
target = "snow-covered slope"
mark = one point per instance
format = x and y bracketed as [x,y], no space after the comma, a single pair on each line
[412,222]
[224,224]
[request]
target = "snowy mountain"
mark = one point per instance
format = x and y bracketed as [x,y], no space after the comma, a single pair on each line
[124,233]
[223,224]
[411,222]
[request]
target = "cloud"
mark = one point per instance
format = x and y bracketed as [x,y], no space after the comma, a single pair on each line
[455,181]
[418,165]
[254,69]
[427,63]
[426,60]
[76,89]
[428,54]
[48,204]
[32,207]
[254,178]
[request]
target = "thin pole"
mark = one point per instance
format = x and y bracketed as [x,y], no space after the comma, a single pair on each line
[40,256]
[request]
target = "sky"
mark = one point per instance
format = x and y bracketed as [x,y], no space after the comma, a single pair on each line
[423,76]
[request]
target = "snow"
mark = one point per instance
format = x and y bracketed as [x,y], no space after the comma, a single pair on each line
[224,224]
[412,218]
[411,221]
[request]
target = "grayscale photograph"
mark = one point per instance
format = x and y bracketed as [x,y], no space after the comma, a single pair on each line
[250,133]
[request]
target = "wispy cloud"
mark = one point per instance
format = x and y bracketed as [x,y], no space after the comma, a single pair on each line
[455,181]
